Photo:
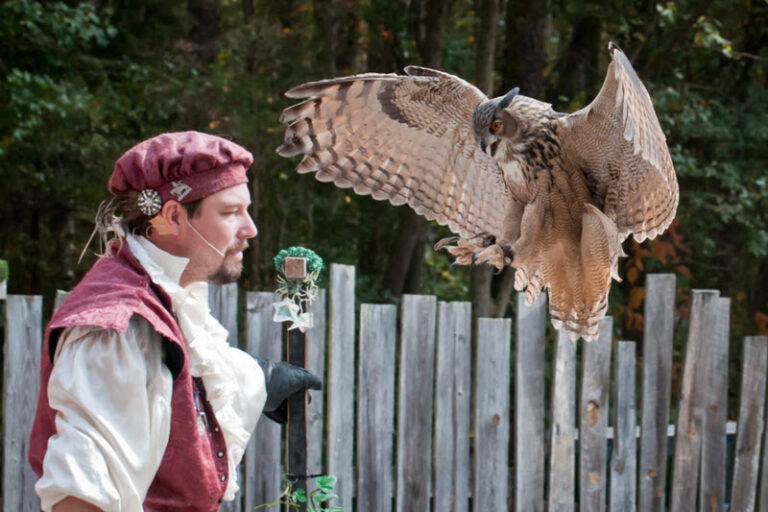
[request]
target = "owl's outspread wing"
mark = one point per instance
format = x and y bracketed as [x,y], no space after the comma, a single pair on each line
[557,193]
[406,139]
[621,148]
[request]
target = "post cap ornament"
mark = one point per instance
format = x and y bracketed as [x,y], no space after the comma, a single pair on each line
[180,166]
[295,292]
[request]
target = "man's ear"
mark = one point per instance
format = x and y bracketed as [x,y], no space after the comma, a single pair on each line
[170,219]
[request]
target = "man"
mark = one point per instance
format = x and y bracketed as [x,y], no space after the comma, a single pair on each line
[143,405]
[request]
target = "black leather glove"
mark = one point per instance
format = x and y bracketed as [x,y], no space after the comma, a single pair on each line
[283,379]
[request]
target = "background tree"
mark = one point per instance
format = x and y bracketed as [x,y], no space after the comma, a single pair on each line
[82,81]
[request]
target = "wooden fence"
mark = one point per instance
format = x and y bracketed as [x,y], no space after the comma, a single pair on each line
[411,419]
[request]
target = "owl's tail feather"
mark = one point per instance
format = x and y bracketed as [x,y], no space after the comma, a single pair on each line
[578,276]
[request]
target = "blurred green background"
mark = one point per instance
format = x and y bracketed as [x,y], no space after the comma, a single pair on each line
[81,82]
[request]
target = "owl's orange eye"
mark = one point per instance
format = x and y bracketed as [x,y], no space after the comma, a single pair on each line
[495,126]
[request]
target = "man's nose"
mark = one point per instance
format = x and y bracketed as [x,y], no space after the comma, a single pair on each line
[249,230]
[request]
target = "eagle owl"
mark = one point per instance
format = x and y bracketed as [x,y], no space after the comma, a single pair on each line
[553,195]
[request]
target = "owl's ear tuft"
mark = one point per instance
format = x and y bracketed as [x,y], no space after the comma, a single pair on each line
[507,99]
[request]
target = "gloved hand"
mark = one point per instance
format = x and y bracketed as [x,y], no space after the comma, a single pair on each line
[283,379]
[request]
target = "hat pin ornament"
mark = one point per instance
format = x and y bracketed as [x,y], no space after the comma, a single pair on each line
[149,202]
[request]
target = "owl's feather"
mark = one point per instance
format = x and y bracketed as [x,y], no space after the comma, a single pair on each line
[559,192]
[406,139]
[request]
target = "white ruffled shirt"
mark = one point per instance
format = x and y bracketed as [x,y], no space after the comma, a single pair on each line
[112,393]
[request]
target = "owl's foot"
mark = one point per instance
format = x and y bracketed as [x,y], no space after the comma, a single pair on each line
[494,255]
[462,251]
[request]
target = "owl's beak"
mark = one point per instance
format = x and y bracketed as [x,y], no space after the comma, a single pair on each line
[483,145]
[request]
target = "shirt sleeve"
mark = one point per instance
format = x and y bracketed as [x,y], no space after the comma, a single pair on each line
[249,402]
[112,393]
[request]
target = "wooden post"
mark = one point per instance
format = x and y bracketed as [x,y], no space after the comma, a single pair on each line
[296,354]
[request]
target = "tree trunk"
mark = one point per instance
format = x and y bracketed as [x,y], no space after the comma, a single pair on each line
[486,45]
[247,10]
[524,56]
[578,68]
[484,302]
[326,32]
[403,274]
[205,29]
[436,12]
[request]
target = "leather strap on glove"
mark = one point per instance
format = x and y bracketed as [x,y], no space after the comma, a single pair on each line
[282,380]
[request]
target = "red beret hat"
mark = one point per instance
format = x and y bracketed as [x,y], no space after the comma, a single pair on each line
[183,166]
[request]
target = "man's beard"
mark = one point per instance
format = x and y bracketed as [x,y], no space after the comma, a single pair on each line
[225,274]
[228,272]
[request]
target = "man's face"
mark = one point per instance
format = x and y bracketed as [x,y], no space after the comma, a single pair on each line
[223,220]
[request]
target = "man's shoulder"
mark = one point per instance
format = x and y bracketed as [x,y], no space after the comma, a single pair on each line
[107,296]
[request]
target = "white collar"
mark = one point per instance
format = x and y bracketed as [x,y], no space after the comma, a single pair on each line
[155,260]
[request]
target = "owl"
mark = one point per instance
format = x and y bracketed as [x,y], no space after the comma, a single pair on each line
[553,195]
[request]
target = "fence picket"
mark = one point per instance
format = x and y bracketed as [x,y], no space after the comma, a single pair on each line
[222,301]
[376,406]
[562,462]
[713,449]
[492,415]
[21,366]
[59,299]
[262,456]
[751,424]
[530,393]
[657,375]
[702,334]
[595,383]
[414,416]
[624,459]
[341,394]
[452,407]
[394,462]
[316,364]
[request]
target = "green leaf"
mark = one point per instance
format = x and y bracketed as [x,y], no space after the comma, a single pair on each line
[299,496]
[326,481]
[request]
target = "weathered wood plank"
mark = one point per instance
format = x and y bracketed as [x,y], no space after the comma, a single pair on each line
[530,393]
[562,460]
[595,384]
[341,394]
[657,375]
[263,455]
[492,415]
[624,459]
[376,406]
[21,383]
[59,299]
[751,424]
[702,334]
[415,392]
[713,448]
[316,364]
[222,301]
[452,407]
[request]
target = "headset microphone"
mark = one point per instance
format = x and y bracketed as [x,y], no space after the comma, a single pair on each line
[209,244]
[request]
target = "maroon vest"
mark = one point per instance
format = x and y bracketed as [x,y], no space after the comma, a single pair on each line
[193,472]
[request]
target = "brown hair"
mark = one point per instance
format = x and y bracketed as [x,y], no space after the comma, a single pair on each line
[134,220]
[121,214]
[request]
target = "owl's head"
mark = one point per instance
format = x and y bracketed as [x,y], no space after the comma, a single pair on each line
[505,125]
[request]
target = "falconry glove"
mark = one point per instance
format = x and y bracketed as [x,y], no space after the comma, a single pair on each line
[282,380]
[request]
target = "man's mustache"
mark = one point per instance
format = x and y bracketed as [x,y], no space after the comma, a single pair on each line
[238,247]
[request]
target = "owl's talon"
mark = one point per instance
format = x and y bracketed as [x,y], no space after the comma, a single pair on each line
[445,242]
